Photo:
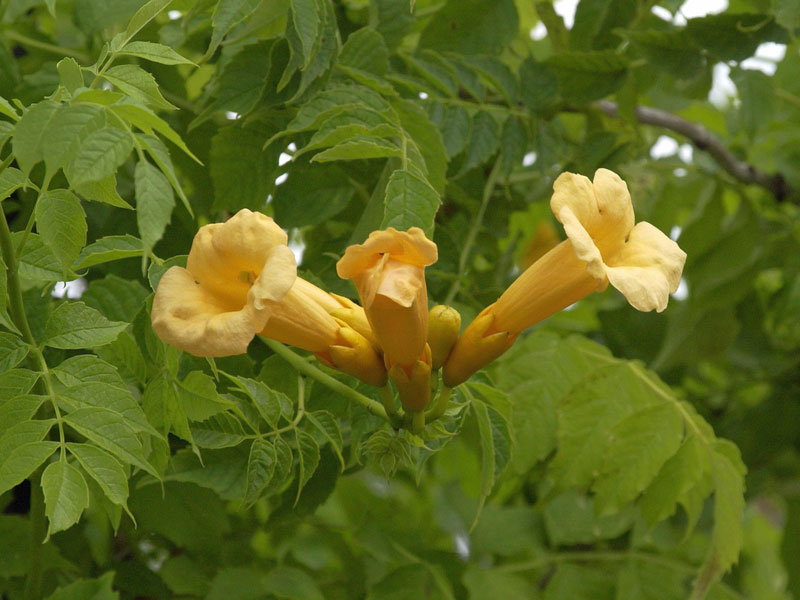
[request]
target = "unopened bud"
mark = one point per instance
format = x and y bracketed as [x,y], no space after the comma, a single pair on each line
[444,323]
[413,382]
[356,356]
[354,315]
[476,348]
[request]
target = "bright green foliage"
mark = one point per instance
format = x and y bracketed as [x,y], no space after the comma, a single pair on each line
[609,454]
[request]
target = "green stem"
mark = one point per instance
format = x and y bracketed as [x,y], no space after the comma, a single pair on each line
[14,290]
[387,398]
[306,368]
[11,34]
[17,308]
[32,218]
[418,422]
[441,404]
[473,232]
[33,583]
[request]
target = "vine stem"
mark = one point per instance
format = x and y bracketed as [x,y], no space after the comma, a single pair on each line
[473,232]
[23,39]
[306,368]
[33,583]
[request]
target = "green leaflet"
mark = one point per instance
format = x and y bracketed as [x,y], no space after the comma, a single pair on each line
[137,83]
[260,468]
[104,469]
[66,495]
[30,132]
[410,202]
[99,155]
[113,247]
[226,16]
[12,351]
[307,459]
[154,52]
[154,203]
[23,459]
[75,325]
[108,430]
[61,222]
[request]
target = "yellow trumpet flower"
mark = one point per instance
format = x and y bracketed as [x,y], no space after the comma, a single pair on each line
[215,306]
[603,245]
[241,279]
[389,273]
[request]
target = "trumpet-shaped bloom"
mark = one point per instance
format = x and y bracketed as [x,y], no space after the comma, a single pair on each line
[234,274]
[241,279]
[389,273]
[603,245]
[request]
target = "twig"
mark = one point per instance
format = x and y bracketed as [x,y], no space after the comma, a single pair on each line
[705,140]
[304,367]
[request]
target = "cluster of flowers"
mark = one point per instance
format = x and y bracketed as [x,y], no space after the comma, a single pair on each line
[241,280]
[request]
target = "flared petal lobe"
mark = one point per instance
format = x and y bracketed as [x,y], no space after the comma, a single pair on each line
[189,317]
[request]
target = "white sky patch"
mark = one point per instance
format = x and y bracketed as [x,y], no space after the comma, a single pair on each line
[664,146]
[722,88]
[693,9]
[675,232]
[70,289]
[682,293]
[529,159]
[538,32]
[291,147]
[106,86]
[298,248]
[174,15]
[232,116]
[766,58]
[284,158]
[566,9]
[423,96]
[461,543]
[686,152]
[680,172]
[662,13]
[281,178]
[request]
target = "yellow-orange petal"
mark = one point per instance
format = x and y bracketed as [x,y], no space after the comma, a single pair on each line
[405,246]
[226,257]
[646,268]
[549,285]
[401,331]
[583,245]
[475,348]
[603,208]
[276,277]
[323,298]
[298,320]
[189,317]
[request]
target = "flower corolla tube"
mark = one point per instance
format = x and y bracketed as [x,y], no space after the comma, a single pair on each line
[603,246]
[388,270]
